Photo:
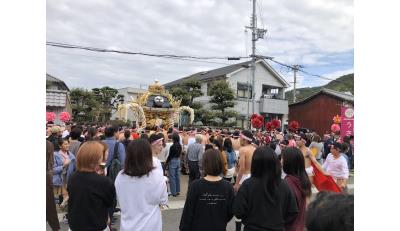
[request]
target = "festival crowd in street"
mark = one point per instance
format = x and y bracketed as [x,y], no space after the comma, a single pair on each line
[262,180]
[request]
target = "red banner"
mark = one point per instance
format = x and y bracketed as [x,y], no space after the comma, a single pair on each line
[347,123]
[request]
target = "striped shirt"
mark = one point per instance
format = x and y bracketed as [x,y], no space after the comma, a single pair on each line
[195,151]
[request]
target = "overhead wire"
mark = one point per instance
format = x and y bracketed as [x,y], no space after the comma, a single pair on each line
[305,72]
[63,45]
[183,57]
[116,58]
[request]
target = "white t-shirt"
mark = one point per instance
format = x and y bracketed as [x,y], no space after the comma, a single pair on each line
[139,199]
[164,152]
[157,164]
[65,133]
[278,150]
[337,168]
[191,140]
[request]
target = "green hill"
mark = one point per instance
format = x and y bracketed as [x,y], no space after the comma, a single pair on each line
[346,84]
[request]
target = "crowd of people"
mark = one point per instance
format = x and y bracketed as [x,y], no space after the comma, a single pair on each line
[262,180]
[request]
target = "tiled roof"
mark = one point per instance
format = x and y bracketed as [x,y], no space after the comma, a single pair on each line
[56,98]
[53,79]
[223,71]
[342,95]
[207,75]
[337,94]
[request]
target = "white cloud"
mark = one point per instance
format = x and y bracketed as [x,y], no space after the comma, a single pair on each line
[302,32]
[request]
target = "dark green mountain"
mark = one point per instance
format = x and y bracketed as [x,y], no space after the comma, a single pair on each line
[344,83]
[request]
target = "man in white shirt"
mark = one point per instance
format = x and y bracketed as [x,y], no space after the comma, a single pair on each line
[192,138]
[156,142]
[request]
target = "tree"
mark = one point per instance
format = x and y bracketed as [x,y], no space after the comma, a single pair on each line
[84,105]
[205,116]
[194,90]
[222,96]
[109,99]
[180,93]
[186,92]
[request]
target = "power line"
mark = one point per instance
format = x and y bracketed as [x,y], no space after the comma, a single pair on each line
[305,72]
[118,58]
[94,49]
[185,57]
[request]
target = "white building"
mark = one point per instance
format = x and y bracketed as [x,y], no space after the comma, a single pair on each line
[269,90]
[129,93]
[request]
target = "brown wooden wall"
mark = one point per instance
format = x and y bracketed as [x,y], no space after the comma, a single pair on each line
[316,113]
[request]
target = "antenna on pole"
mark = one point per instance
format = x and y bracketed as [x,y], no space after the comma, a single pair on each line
[295,69]
[256,34]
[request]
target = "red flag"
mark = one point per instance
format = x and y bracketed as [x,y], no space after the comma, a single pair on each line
[322,182]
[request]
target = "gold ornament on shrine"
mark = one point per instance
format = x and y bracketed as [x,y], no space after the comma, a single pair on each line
[154,108]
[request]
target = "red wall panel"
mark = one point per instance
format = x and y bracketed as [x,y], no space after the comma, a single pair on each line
[316,113]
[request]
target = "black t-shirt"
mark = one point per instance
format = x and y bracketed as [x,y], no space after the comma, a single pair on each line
[208,206]
[174,151]
[259,211]
[90,195]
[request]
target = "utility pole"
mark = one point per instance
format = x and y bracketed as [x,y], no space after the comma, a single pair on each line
[253,54]
[248,104]
[256,34]
[295,69]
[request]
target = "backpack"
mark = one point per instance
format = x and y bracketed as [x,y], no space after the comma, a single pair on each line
[115,165]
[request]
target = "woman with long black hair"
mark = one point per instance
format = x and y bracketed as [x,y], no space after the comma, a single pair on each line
[217,143]
[230,159]
[174,162]
[265,201]
[297,179]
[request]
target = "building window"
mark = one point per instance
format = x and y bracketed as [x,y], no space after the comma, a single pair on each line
[270,92]
[244,90]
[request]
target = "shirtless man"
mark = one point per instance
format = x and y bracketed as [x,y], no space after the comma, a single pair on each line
[236,141]
[205,137]
[245,156]
[185,138]
[308,157]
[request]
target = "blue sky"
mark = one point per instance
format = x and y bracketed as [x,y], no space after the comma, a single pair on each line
[317,34]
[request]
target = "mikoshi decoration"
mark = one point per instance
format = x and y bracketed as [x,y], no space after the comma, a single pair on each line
[65,116]
[335,128]
[294,126]
[152,108]
[188,110]
[268,126]
[50,116]
[275,123]
[337,119]
[257,120]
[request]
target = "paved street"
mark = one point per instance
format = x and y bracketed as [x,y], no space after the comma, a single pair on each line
[172,216]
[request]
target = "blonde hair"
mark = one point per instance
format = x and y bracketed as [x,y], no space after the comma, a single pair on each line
[89,155]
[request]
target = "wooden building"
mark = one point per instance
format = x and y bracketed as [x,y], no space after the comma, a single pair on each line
[317,111]
[57,97]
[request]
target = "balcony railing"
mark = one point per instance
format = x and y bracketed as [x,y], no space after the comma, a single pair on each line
[276,106]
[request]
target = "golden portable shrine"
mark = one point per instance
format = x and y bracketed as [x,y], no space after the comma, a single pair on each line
[155,107]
